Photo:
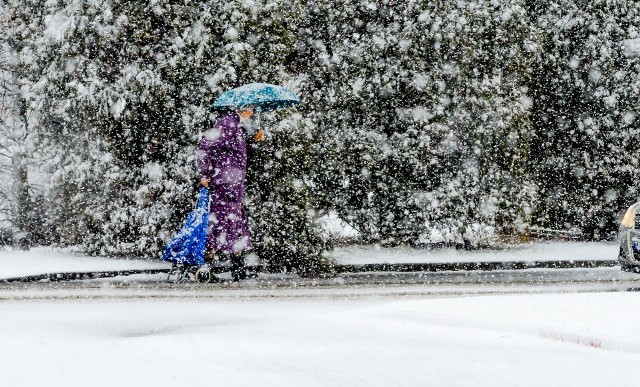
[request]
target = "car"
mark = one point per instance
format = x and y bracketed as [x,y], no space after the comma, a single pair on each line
[629,238]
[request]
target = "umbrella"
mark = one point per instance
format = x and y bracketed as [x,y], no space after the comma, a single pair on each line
[261,95]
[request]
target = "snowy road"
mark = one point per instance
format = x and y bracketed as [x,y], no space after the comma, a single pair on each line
[536,327]
[581,339]
[343,286]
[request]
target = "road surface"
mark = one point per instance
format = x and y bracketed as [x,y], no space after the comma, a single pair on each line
[356,285]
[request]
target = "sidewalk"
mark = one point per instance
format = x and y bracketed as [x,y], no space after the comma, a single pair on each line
[531,252]
[547,255]
[44,260]
[41,261]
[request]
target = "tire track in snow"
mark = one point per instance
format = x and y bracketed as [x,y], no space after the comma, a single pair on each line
[527,329]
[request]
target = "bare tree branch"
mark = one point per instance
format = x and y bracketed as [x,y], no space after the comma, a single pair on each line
[4,195]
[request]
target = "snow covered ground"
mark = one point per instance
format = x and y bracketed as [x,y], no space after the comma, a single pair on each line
[538,251]
[422,329]
[46,260]
[587,339]
[15,263]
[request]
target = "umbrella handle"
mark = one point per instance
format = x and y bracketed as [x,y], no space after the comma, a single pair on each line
[258,118]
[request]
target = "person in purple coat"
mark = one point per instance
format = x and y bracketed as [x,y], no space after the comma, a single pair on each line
[222,165]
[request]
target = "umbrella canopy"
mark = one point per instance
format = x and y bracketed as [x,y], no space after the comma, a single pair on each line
[261,95]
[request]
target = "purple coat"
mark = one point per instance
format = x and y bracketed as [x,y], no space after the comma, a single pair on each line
[222,158]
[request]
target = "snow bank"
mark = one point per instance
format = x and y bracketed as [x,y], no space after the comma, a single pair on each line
[335,227]
[45,260]
[543,340]
[540,251]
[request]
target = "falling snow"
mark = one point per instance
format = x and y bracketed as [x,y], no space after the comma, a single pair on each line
[466,124]
[429,133]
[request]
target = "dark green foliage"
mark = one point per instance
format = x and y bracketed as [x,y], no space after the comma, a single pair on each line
[134,82]
[422,121]
[283,222]
[419,106]
[585,141]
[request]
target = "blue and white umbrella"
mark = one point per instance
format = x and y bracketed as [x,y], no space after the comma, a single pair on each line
[260,95]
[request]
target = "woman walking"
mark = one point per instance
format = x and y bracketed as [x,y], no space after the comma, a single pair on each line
[222,166]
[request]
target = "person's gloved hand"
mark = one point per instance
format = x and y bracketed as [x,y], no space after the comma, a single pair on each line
[259,137]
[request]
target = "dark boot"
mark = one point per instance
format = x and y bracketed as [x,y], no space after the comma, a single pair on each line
[209,255]
[238,270]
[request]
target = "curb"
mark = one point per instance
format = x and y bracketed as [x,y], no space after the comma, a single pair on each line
[473,266]
[342,269]
[78,276]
